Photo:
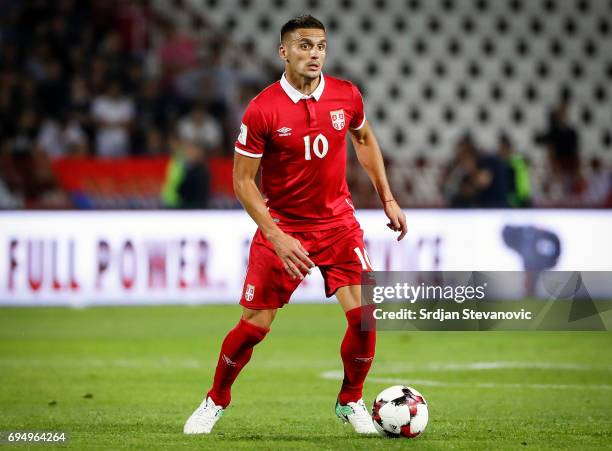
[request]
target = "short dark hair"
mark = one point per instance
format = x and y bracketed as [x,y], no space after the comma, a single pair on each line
[304,21]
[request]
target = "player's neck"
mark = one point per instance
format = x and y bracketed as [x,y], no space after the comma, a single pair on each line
[305,85]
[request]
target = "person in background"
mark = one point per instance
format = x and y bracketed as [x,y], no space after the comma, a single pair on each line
[30,167]
[62,137]
[456,182]
[475,179]
[155,144]
[79,104]
[562,141]
[113,114]
[599,189]
[187,183]
[12,193]
[492,181]
[176,53]
[150,115]
[520,185]
[202,130]
[52,91]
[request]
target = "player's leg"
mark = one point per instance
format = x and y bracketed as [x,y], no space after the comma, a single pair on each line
[266,287]
[236,351]
[342,267]
[357,352]
[358,345]
[342,274]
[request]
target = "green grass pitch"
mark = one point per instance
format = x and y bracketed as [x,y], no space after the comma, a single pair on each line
[127,378]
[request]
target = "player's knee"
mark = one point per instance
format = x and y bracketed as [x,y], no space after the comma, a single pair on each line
[260,318]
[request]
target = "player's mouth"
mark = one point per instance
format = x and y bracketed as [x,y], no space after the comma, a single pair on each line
[313,66]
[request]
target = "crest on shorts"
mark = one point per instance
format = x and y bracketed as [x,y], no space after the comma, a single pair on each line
[337,118]
[249,293]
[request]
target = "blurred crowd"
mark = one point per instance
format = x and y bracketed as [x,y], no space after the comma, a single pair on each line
[113,78]
[477,176]
[501,178]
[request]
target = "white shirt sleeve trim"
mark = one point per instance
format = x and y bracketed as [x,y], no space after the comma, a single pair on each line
[362,124]
[248,154]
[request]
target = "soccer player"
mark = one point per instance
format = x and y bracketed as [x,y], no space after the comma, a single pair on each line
[295,129]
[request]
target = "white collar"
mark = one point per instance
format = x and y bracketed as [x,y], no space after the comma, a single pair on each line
[296,95]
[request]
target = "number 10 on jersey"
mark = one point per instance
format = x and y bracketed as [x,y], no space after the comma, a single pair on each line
[320,146]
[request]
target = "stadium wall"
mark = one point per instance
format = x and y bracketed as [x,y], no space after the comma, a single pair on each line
[162,257]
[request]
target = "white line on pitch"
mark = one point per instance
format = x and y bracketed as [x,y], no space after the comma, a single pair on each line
[153,363]
[127,363]
[307,363]
[479,366]
[338,375]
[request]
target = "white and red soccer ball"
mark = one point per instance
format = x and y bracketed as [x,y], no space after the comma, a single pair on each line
[400,411]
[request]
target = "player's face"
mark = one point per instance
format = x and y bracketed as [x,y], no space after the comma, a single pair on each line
[304,52]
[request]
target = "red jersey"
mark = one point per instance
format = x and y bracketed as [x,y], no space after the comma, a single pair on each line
[301,141]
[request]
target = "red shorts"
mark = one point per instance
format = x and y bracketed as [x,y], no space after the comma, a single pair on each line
[338,253]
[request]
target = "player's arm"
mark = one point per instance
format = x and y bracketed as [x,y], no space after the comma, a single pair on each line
[370,158]
[289,250]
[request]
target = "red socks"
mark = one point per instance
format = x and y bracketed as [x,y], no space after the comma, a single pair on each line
[236,352]
[357,351]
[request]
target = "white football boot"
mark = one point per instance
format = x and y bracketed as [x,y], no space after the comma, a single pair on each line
[204,418]
[357,415]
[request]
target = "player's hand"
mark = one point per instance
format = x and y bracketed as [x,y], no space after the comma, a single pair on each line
[397,219]
[293,255]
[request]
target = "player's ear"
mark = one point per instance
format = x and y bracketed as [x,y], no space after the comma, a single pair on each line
[282,52]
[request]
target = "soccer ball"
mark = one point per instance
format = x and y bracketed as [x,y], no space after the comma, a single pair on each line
[400,411]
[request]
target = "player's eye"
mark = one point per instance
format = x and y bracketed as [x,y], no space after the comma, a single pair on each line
[305,46]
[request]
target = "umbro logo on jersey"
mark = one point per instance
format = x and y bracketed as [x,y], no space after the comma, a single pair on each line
[285,131]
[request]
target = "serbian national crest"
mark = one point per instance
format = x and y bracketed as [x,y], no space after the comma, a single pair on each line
[249,293]
[337,118]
